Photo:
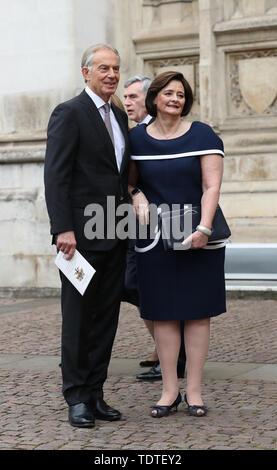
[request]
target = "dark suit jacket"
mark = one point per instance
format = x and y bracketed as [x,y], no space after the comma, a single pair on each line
[80,167]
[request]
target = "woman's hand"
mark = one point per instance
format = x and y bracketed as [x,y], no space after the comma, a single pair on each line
[141,208]
[196,240]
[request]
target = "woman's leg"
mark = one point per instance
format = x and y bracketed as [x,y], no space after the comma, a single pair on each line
[150,326]
[197,338]
[167,338]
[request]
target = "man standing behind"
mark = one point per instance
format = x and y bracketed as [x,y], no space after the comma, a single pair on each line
[135,91]
[87,159]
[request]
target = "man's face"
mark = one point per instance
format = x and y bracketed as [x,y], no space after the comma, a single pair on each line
[104,76]
[134,101]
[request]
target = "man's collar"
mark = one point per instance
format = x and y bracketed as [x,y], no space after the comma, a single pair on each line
[146,119]
[95,98]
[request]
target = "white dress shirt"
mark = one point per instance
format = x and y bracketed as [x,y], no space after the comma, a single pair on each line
[146,119]
[119,141]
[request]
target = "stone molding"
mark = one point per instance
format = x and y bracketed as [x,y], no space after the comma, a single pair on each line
[22,154]
[157,3]
[246,30]
[166,40]
[248,24]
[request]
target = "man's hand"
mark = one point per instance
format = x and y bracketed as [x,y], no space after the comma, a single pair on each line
[66,242]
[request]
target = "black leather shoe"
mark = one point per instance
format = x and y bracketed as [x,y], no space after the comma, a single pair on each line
[103,411]
[154,373]
[148,363]
[81,416]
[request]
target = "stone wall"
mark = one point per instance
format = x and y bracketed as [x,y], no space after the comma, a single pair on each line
[26,253]
[228,52]
[41,47]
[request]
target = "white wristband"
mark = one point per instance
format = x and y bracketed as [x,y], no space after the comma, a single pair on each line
[205,230]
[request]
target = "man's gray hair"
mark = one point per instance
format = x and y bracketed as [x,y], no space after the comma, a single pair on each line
[145,82]
[87,57]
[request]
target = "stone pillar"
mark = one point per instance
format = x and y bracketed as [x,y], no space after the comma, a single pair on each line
[167,38]
[209,14]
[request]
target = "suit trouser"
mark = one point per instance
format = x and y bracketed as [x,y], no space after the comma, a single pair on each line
[131,294]
[89,324]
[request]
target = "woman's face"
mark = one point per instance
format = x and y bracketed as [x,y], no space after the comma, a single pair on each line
[171,99]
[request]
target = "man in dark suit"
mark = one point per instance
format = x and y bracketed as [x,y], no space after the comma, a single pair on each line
[86,161]
[135,91]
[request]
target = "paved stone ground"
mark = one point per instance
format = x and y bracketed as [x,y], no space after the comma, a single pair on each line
[242,413]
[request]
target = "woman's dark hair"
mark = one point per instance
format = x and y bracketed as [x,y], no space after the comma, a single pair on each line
[159,83]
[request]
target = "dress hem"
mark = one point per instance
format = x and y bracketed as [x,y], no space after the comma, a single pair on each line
[199,317]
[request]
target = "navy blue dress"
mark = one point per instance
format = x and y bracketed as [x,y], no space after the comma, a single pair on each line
[177,285]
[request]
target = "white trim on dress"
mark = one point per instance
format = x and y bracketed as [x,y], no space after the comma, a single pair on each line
[176,155]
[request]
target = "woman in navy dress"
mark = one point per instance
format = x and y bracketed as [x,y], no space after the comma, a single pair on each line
[178,162]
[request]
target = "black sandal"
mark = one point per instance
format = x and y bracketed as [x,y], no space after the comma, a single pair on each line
[164,410]
[193,409]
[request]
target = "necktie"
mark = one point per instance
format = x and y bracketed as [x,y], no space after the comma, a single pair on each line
[107,120]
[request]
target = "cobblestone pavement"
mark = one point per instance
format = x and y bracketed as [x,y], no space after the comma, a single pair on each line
[242,413]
